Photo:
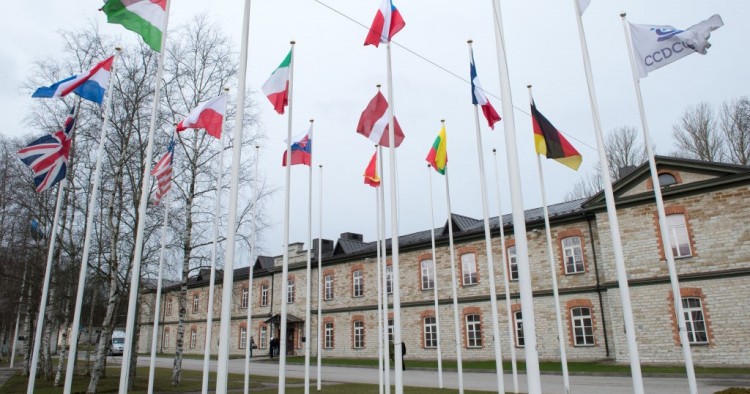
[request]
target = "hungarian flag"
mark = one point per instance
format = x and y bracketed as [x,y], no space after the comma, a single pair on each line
[479,98]
[301,149]
[371,172]
[551,143]
[277,86]
[438,156]
[148,18]
[208,115]
[387,23]
[373,123]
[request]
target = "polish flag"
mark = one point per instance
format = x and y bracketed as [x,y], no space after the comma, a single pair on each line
[387,23]
[208,115]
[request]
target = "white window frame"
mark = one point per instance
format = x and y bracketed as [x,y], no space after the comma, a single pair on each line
[243,337]
[193,338]
[469,275]
[427,270]
[570,248]
[430,332]
[196,303]
[359,334]
[389,279]
[358,283]
[679,236]
[264,294]
[328,294]
[390,329]
[695,320]
[473,331]
[243,302]
[328,340]
[290,291]
[520,340]
[169,307]
[165,339]
[263,336]
[512,264]
[583,326]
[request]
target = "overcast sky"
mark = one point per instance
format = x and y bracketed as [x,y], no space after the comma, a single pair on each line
[335,77]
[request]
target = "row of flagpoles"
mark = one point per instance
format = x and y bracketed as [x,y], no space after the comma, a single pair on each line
[47,157]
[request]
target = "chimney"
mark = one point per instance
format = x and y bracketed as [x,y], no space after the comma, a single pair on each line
[352,236]
[327,247]
[625,171]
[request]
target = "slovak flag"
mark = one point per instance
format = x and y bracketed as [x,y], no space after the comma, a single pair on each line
[387,23]
[301,149]
[208,115]
[90,85]
[479,98]
[48,156]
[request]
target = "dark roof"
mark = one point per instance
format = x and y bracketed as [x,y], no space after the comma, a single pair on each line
[348,246]
[276,319]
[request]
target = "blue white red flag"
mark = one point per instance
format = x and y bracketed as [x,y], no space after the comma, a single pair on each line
[48,156]
[479,98]
[89,85]
[387,23]
[301,150]
[162,173]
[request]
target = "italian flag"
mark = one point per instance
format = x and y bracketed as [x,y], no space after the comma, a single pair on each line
[148,18]
[277,86]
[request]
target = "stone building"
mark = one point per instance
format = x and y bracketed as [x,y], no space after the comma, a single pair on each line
[708,208]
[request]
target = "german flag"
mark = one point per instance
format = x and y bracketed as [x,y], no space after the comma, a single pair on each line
[551,143]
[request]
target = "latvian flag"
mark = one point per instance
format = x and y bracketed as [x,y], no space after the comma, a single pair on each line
[162,172]
[373,123]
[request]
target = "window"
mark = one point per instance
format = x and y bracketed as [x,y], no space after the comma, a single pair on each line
[583,328]
[678,235]
[573,255]
[473,331]
[519,329]
[695,324]
[666,179]
[358,285]
[390,329]
[359,334]
[193,338]
[263,337]
[328,340]
[243,337]
[389,279]
[469,269]
[165,338]
[428,274]
[196,303]
[290,291]
[169,307]
[512,263]
[430,332]
[328,287]
[243,303]
[264,294]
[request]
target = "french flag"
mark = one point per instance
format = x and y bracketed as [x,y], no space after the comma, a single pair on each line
[387,23]
[208,115]
[90,85]
[301,150]
[479,98]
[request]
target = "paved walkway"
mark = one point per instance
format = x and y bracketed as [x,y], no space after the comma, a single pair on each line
[6,373]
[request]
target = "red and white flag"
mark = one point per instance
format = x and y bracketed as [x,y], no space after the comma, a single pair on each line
[162,172]
[371,172]
[373,123]
[387,23]
[208,115]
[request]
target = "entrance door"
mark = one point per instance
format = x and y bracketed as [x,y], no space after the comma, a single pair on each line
[290,332]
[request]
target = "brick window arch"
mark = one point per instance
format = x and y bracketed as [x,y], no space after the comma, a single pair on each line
[329,284]
[511,263]
[358,332]
[518,325]
[473,328]
[680,232]
[697,317]
[264,295]
[581,322]
[262,335]
[468,266]
[242,335]
[329,337]
[429,327]
[426,271]
[358,280]
[571,247]
[673,174]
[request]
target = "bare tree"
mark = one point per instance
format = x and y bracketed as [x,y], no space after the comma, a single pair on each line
[696,135]
[735,126]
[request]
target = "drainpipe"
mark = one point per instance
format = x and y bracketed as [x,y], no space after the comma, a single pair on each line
[598,284]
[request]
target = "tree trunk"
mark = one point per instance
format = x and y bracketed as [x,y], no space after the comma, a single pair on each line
[106,334]
[28,329]
[87,364]
[134,354]
[64,345]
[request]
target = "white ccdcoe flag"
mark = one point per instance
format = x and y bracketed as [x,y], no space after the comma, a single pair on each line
[582,5]
[656,46]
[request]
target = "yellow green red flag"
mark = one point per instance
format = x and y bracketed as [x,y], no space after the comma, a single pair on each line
[438,156]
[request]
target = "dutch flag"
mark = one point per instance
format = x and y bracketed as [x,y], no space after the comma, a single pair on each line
[90,85]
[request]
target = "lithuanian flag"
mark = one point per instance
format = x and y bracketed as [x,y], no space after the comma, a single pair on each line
[551,143]
[438,156]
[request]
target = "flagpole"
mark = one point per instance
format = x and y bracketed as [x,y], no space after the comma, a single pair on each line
[614,227]
[309,263]
[379,263]
[157,301]
[138,252]
[454,291]
[506,276]
[214,253]
[285,262]
[490,262]
[434,288]
[519,222]
[251,274]
[45,288]
[228,280]
[384,284]
[663,229]
[320,275]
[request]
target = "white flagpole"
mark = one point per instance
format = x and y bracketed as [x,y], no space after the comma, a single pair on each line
[519,222]
[379,263]
[434,288]
[285,263]
[308,291]
[45,287]
[506,276]
[398,363]
[384,276]
[228,281]
[157,300]
[490,262]
[454,291]
[135,275]
[553,272]
[251,268]
[320,276]
[614,226]
[74,332]
[214,253]
[677,295]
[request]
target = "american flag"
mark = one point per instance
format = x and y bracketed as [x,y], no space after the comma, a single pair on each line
[162,172]
[48,156]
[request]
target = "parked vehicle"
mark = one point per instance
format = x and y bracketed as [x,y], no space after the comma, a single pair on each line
[117,343]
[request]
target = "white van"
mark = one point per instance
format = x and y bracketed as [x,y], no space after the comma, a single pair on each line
[117,343]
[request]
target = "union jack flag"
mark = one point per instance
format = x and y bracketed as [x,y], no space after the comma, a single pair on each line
[48,156]
[162,173]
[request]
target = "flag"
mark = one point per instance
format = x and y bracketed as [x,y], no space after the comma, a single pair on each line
[373,123]
[371,172]
[551,143]
[162,173]
[387,23]
[438,156]
[301,149]
[36,231]
[582,5]
[277,86]
[147,18]
[90,85]
[48,156]
[208,115]
[479,98]
[656,46]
